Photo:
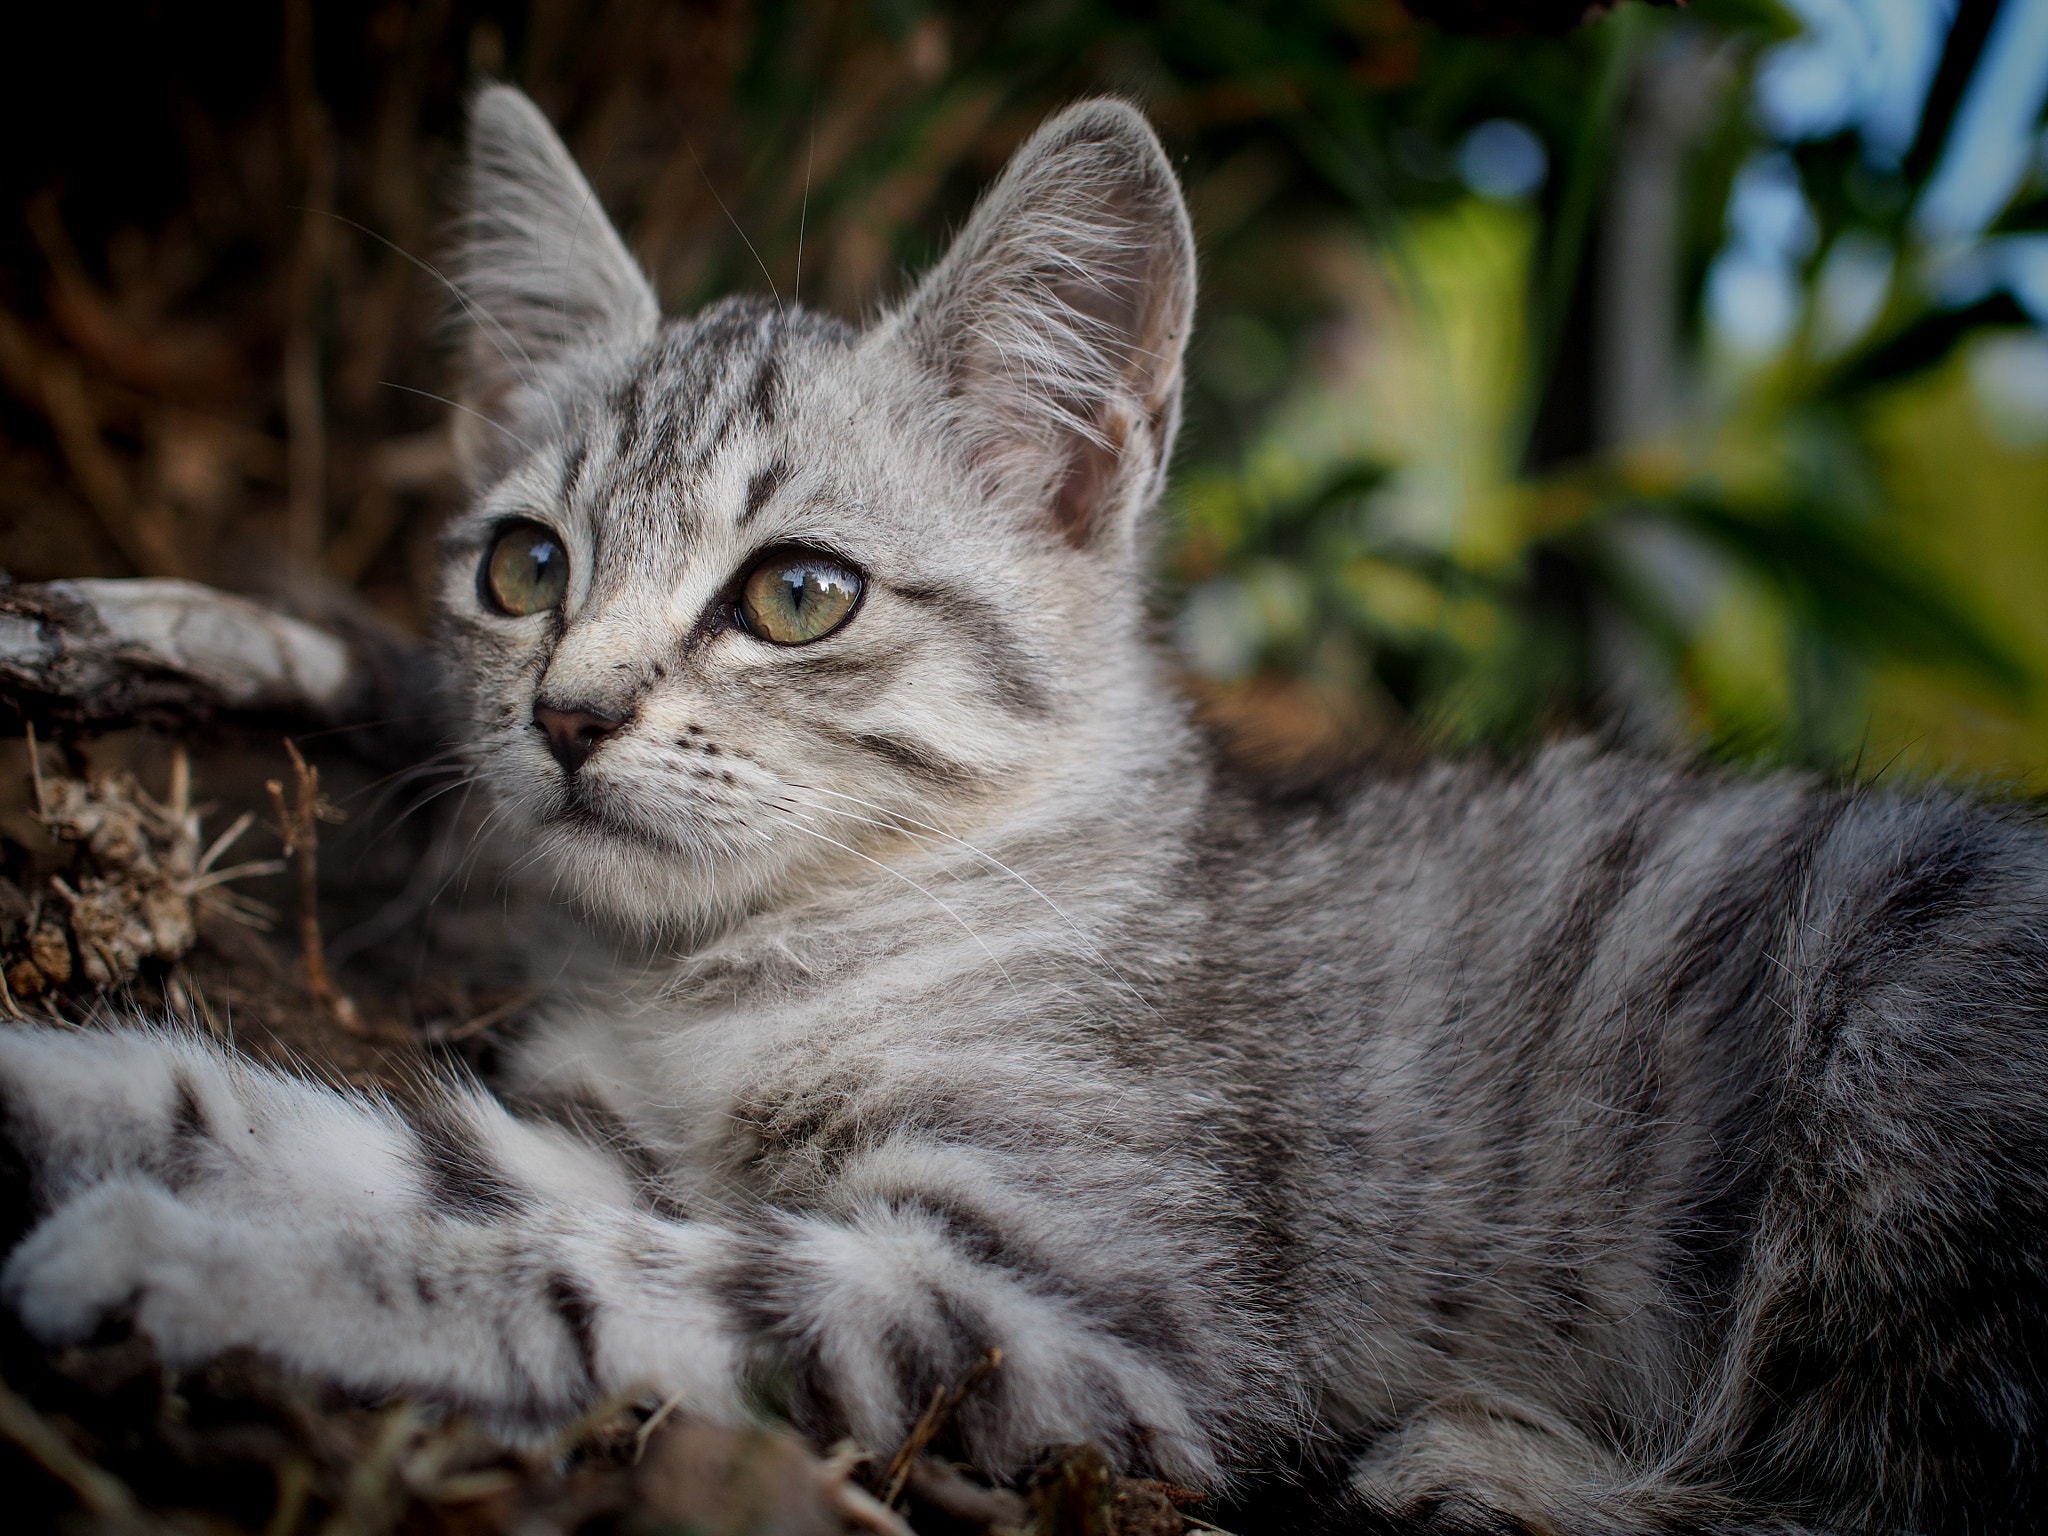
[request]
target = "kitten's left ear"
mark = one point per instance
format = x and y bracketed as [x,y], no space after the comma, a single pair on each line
[1057,322]
[544,281]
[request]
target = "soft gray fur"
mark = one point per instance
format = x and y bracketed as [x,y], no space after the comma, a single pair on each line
[1599,1146]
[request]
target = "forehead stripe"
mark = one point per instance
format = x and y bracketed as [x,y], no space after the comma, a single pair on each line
[761,487]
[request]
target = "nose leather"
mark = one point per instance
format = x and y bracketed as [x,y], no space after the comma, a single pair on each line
[573,734]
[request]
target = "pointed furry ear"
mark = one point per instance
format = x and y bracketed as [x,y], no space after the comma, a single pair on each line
[544,279]
[1057,321]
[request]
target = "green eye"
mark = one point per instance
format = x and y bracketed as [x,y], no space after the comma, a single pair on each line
[793,599]
[527,571]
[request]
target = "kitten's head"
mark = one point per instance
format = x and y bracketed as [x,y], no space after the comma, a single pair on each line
[741,598]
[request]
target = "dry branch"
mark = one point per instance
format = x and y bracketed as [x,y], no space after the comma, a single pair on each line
[102,653]
[93,655]
[298,823]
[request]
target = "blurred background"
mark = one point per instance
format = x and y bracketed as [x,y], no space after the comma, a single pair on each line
[1675,374]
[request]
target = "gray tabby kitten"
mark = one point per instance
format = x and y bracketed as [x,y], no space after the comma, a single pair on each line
[1597,1147]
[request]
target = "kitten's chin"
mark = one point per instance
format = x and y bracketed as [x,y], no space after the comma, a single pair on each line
[655,863]
[627,875]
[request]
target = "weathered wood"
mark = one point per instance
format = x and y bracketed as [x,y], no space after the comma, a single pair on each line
[92,655]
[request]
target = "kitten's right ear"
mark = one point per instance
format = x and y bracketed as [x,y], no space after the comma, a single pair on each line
[1055,324]
[544,281]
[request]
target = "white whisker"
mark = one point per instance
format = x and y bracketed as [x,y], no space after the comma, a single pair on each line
[483,320]
[427,394]
[898,823]
[796,288]
[800,827]
[712,188]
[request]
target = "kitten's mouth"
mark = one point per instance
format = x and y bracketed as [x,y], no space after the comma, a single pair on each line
[589,812]
[615,813]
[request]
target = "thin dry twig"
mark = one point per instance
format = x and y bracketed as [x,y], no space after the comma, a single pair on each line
[298,825]
[101,1492]
[453,1034]
[655,1420]
[945,1403]
[7,999]
[864,1511]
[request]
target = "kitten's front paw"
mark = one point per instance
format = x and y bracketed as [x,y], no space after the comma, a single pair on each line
[127,1244]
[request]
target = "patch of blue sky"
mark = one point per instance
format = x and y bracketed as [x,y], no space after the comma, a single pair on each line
[1753,297]
[1992,141]
[1503,160]
[1768,213]
[1862,64]
[1867,65]
[2016,263]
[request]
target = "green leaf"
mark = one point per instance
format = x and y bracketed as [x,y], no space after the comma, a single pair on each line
[1850,587]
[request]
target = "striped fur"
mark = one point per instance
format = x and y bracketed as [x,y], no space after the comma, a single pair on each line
[1599,1146]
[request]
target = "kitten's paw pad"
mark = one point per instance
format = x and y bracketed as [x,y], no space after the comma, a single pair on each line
[127,1243]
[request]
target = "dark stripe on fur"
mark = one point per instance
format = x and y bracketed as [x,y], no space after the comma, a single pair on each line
[1743,916]
[1750,995]
[761,487]
[787,1373]
[359,1257]
[572,469]
[1550,982]
[1555,970]
[991,645]
[764,394]
[964,1338]
[577,1310]
[874,671]
[627,403]
[784,1374]
[190,1133]
[592,1122]
[921,761]
[462,1178]
[1124,1304]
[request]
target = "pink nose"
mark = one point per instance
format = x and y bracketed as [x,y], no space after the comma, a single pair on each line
[573,734]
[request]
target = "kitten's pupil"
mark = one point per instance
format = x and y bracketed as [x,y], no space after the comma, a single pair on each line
[794,599]
[527,571]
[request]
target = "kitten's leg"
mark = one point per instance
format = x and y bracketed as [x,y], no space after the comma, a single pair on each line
[466,1256]
[521,1320]
[1472,1465]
